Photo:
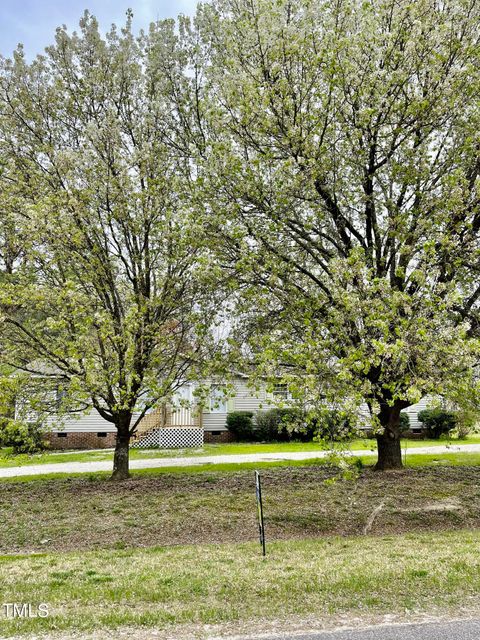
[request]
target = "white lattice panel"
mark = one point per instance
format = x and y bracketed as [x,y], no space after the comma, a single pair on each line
[172,438]
[149,440]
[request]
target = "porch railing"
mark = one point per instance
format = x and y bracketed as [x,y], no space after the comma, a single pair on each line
[167,416]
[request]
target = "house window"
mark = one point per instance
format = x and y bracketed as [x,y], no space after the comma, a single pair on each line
[281,391]
[62,435]
[182,395]
[218,402]
[102,434]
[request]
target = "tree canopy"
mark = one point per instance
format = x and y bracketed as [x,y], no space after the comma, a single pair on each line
[114,294]
[343,170]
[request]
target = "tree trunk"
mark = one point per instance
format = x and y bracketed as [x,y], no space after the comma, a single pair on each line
[388,442]
[389,451]
[121,456]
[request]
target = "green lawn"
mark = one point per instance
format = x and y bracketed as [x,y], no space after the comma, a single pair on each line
[7,459]
[217,584]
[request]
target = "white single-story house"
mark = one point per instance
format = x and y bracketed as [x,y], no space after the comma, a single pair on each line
[182,423]
[207,423]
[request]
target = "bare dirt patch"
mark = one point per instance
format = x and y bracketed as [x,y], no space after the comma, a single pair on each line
[219,507]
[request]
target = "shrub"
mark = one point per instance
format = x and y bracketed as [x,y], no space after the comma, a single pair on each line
[240,423]
[404,422]
[23,437]
[437,422]
[283,425]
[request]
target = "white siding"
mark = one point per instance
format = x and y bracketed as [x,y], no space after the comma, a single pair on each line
[90,422]
[244,399]
[214,421]
[415,409]
[248,400]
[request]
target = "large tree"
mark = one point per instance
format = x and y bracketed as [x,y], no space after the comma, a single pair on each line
[114,297]
[340,154]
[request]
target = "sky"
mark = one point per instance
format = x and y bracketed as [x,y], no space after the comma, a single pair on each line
[33,22]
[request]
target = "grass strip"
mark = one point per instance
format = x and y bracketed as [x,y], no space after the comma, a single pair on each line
[211,584]
[411,460]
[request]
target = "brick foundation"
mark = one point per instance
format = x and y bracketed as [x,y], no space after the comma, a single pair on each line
[218,436]
[90,440]
[82,440]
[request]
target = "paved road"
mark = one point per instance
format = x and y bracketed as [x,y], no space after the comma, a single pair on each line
[460,630]
[154,463]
